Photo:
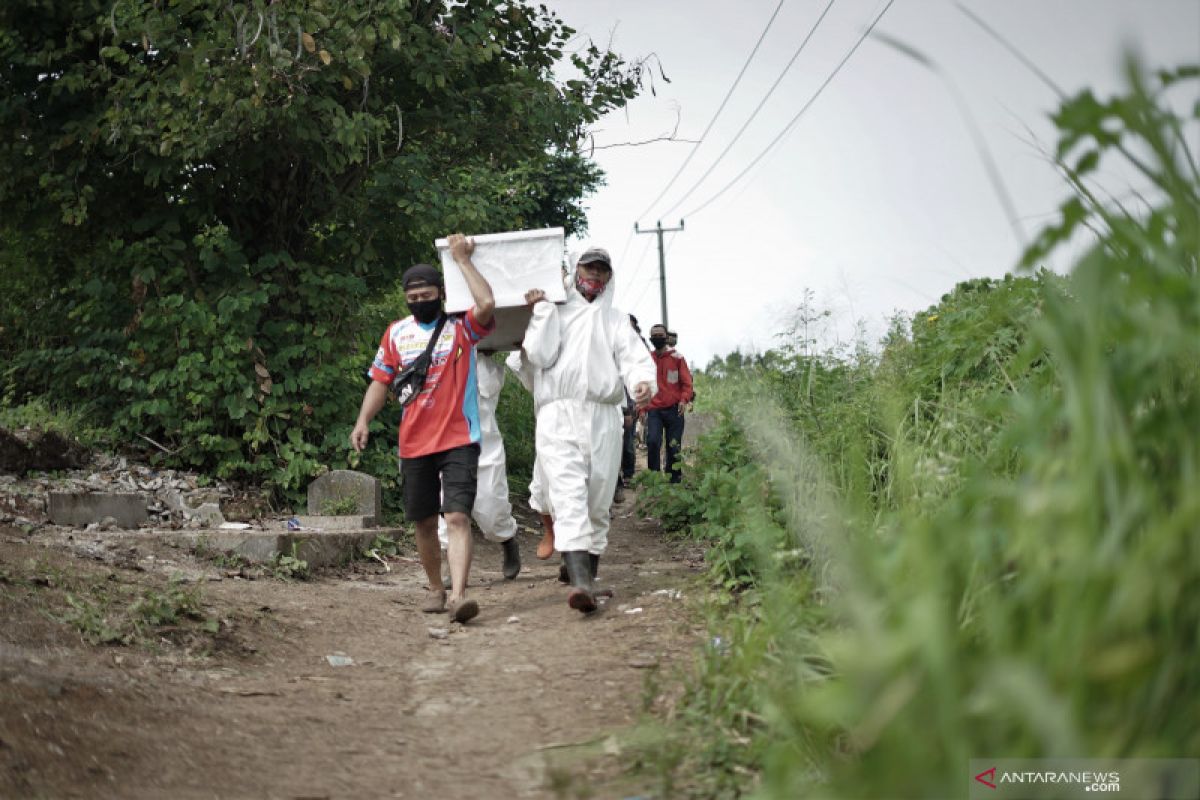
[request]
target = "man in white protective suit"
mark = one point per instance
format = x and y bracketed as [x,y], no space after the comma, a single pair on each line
[492,512]
[585,355]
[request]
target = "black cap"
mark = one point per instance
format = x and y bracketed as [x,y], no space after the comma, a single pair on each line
[595,255]
[420,275]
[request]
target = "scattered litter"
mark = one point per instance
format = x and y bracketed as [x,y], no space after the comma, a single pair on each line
[375,555]
[673,594]
[438,633]
[339,660]
[637,610]
[234,526]
[512,620]
[719,644]
[293,524]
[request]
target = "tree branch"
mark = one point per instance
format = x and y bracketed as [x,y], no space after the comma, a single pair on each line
[646,141]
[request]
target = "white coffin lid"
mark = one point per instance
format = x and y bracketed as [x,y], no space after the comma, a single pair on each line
[513,263]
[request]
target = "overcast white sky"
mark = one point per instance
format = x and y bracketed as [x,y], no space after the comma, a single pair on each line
[877,199]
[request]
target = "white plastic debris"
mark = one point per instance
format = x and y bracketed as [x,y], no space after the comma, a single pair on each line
[339,660]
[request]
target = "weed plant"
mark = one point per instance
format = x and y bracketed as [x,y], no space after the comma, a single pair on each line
[985,540]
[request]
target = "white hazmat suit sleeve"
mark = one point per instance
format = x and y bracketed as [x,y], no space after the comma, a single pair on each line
[520,366]
[634,361]
[543,335]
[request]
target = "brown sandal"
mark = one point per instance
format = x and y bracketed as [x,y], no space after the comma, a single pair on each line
[545,547]
[463,610]
[435,601]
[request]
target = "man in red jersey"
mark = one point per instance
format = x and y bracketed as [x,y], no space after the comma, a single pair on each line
[667,408]
[440,430]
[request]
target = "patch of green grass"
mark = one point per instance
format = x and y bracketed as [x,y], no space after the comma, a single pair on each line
[107,613]
[73,422]
[289,566]
[339,506]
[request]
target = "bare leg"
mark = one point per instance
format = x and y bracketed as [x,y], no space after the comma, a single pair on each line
[430,550]
[545,547]
[458,530]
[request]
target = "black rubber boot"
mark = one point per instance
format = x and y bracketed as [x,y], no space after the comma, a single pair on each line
[579,569]
[512,558]
[563,575]
[594,564]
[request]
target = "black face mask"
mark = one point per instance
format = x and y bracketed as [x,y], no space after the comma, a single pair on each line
[426,311]
[659,342]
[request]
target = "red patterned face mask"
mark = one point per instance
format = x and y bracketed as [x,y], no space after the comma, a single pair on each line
[590,287]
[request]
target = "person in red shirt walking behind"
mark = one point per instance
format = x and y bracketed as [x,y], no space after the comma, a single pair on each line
[667,406]
[440,429]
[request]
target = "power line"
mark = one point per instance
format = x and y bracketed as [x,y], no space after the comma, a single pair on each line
[753,114]
[799,114]
[625,249]
[638,266]
[720,108]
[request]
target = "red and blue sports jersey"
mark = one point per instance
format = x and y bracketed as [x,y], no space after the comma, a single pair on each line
[445,414]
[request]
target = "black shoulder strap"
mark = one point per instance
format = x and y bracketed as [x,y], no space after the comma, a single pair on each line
[436,333]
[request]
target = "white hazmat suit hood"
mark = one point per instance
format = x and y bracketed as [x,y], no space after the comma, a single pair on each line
[585,355]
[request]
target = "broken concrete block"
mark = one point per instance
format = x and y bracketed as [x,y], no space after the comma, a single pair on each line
[333,492]
[208,515]
[78,509]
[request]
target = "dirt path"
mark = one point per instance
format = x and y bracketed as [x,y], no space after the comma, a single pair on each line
[518,703]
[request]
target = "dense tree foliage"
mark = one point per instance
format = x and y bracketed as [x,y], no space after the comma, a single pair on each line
[204,205]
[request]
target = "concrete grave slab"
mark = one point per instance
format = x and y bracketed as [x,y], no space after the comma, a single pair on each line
[79,509]
[340,484]
[322,549]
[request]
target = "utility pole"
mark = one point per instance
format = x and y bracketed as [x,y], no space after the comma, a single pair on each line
[662,263]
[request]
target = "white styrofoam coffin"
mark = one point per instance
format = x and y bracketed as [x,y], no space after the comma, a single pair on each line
[513,263]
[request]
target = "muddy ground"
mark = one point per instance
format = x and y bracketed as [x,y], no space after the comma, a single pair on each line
[235,697]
